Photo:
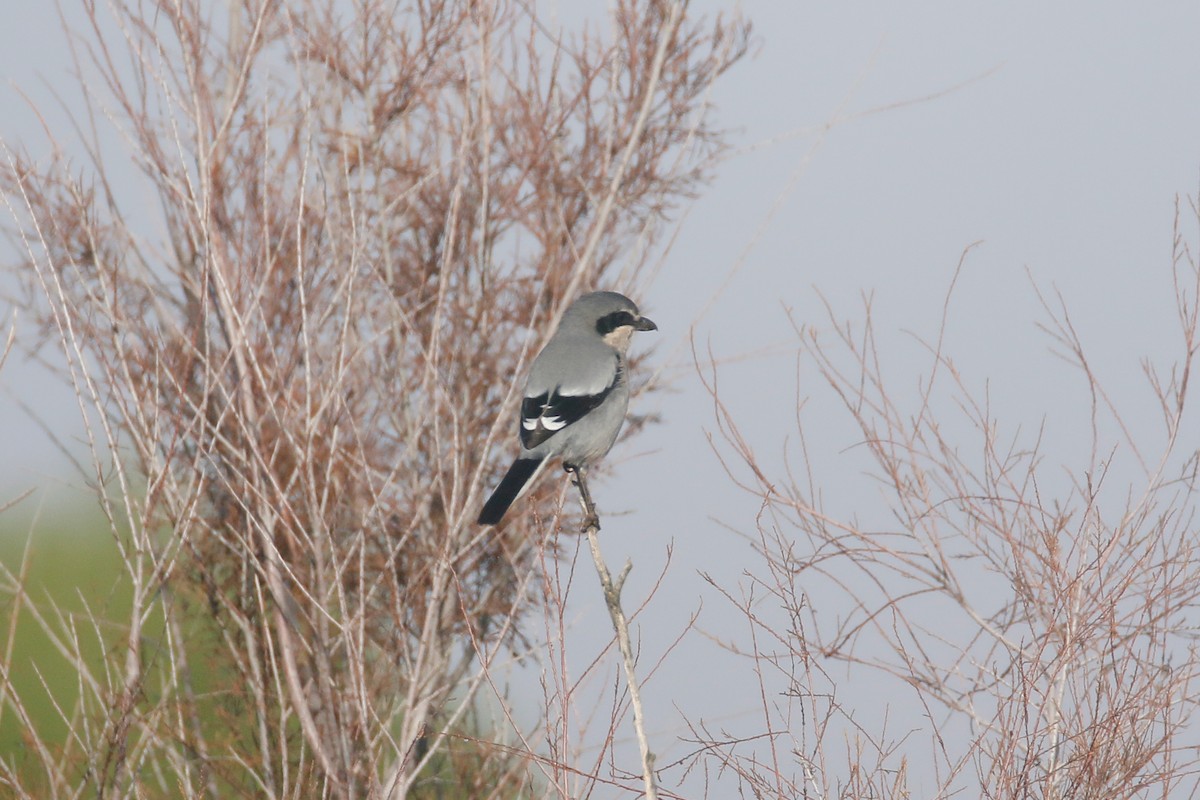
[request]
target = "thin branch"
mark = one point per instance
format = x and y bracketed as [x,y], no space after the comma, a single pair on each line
[612,599]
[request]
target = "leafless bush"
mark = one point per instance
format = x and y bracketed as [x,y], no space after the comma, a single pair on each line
[1040,630]
[293,369]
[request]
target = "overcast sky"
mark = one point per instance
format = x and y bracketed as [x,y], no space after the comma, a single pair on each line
[1057,135]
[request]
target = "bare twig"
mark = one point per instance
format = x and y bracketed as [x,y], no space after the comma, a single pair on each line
[612,599]
[1041,619]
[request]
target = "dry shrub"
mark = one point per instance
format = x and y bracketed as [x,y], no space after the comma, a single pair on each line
[297,359]
[1030,617]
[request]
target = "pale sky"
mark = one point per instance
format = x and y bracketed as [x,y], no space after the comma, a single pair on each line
[1056,134]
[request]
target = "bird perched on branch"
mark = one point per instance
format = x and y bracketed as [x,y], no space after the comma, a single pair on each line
[576,394]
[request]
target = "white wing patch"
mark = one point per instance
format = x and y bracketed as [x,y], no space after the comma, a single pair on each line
[547,418]
[545,414]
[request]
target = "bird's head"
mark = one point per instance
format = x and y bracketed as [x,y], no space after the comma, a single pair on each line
[613,316]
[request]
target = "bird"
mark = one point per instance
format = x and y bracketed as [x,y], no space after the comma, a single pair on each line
[575,396]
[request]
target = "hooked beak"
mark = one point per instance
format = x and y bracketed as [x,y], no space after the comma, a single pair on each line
[645,324]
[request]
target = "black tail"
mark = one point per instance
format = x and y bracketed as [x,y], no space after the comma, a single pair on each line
[519,474]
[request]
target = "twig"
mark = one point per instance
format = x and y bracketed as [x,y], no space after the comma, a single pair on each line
[612,599]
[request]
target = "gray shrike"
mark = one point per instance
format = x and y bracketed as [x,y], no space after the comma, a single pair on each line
[576,394]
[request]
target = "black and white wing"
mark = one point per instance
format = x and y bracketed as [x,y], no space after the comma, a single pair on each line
[546,414]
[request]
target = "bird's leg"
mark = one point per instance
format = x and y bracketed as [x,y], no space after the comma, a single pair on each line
[579,476]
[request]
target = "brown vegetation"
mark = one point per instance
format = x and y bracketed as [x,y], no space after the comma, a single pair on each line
[1037,616]
[295,372]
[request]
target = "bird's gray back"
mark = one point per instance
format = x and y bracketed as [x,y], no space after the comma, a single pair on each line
[577,363]
[581,365]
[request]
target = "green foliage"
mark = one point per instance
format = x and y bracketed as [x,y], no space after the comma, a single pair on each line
[70,570]
[70,622]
